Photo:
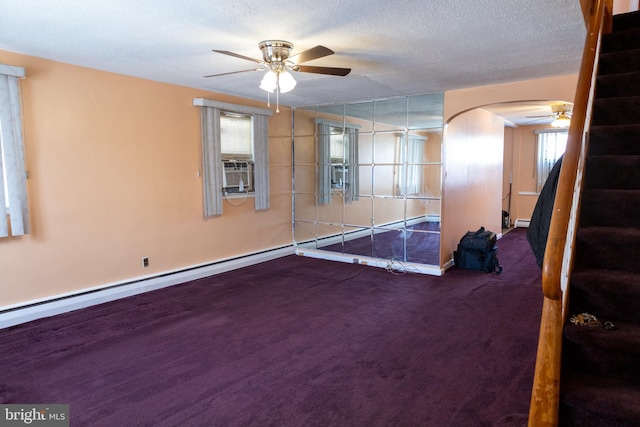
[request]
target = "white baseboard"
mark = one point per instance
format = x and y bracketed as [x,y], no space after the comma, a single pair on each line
[58,304]
[522,223]
[408,267]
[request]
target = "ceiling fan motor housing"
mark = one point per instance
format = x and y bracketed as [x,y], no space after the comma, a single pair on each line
[275,52]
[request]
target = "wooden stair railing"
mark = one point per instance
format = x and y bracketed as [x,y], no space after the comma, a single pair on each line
[545,396]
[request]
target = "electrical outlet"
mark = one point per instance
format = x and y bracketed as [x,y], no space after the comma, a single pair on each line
[145,262]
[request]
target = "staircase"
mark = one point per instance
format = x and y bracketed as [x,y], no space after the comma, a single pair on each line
[600,383]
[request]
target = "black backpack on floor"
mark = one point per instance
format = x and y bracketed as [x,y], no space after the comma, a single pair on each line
[477,250]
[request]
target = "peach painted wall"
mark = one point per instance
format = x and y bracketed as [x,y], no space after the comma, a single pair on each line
[113,164]
[518,156]
[623,6]
[507,172]
[472,154]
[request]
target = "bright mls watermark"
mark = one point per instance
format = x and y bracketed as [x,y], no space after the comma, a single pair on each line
[34,415]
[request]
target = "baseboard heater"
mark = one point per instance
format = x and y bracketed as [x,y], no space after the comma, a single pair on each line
[524,223]
[58,304]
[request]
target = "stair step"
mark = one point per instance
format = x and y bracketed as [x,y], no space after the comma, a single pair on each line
[614,139]
[612,172]
[605,293]
[610,207]
[616,111]
[590,401]
[619,84]
[626,21]
[619,62]
[602,352]
[600,384]
[613,248]
[621,40]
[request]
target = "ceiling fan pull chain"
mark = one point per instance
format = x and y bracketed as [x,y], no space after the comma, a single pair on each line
[278,93]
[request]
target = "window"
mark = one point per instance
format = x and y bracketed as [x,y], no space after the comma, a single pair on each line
[235,149]
[551,146]
[236,141]
[236,136]
[13,191]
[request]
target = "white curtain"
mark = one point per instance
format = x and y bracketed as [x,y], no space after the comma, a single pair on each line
[324,164]
[261,161]
[211,162]
[411,155]
[13,154]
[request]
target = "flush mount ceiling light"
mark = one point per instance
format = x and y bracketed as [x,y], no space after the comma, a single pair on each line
[278,63]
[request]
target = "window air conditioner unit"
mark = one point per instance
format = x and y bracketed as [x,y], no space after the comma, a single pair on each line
[237,176]
[339,176]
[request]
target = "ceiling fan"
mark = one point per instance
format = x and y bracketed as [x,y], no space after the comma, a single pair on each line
[278,62]
[561,115]
[276,56]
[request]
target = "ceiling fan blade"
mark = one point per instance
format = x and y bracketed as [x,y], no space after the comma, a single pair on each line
[543,117]
[237,55]
[333,71]
[233,72]
[311,54]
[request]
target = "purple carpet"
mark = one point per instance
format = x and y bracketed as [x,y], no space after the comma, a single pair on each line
[293,342]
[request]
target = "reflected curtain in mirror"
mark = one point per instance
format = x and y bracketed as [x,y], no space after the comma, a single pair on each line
[411,156]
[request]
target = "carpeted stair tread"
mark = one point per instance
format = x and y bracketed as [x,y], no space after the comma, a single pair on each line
[619,62]
[616,111]
[606,293]
[621,40]
[598,351]
[617,85]
[612,248]
[610,207]
[600,383]
[592,401]
[626,21]
[614,139]
[612,172]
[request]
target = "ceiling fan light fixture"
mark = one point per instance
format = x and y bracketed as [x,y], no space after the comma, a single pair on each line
[269,81]
[562,121]
[286,82]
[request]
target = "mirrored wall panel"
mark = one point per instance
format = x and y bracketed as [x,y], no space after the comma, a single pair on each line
[368,178]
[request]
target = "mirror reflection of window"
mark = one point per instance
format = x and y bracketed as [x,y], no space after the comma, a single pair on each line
[337,161]
[411,156]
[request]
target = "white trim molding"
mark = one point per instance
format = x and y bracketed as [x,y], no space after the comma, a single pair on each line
[225,106]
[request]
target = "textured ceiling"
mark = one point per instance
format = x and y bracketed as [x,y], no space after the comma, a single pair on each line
[394,48]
